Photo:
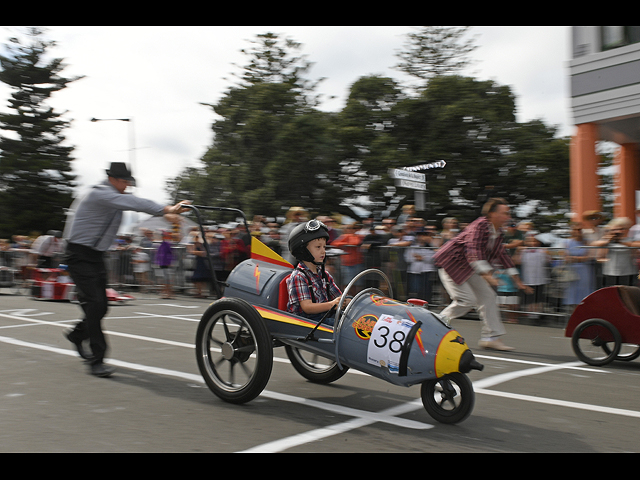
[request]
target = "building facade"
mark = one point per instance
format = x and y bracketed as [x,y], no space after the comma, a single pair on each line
[605,103]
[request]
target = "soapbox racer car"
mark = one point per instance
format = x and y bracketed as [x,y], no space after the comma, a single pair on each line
[605,326]
[50,284]
[54,284]
[401,342]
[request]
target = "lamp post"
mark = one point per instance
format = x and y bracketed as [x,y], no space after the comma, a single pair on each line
[132,151]
[132,140]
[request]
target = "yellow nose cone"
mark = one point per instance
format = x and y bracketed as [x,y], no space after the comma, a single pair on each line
[449,353]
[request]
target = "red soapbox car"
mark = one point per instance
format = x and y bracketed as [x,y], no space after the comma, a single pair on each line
[55,284]
[605,326]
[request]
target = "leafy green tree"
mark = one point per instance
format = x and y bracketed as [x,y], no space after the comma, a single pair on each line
[471,125]
[365,144]
[36,181]
[271,147]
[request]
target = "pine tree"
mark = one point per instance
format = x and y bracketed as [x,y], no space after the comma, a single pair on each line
[36,179]
[434,51]
[272,148]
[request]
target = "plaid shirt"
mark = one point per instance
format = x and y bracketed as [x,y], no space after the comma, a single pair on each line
[299,288]
[476,249]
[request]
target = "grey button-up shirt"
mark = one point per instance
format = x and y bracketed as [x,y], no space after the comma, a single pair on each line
[94,220]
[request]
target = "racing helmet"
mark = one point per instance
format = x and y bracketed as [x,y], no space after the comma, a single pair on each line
[302,234]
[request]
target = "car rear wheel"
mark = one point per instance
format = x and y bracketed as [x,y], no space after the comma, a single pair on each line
[234,351]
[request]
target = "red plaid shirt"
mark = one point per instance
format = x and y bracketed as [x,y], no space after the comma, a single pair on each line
[299,288]
[470,251]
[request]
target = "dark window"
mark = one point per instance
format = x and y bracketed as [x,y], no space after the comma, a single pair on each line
[614,37]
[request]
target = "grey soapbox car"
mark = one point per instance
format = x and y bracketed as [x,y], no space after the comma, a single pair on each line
[401,342]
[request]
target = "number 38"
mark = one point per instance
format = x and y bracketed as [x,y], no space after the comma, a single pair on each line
[396,342]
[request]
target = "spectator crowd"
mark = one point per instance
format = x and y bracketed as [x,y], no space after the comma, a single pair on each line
[594,255]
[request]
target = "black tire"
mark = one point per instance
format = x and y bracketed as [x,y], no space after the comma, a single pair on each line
[449,399]
[633,353]
[596,342]
[628,352]
[234,350]
[312,369]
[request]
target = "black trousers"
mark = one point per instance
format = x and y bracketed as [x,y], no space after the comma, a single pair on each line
[45,262]
[87,269]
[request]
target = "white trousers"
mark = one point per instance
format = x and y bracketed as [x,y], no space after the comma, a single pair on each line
[474,293]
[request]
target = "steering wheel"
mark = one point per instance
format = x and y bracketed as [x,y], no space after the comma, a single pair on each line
[341,314]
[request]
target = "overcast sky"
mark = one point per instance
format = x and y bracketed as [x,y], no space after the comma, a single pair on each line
[158,76]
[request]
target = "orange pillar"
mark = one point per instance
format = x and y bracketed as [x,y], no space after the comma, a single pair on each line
[626,181]
[584,170]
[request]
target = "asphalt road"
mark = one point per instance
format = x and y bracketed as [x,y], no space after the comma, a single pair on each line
[539,398]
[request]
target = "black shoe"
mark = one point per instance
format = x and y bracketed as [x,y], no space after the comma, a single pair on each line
[102,370]
[78,343]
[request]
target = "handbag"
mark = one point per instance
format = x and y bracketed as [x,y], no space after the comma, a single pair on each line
[567,274]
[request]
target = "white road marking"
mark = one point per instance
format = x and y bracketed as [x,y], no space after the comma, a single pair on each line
[479,387]
[561,403]
[530,362]
[362,417]
[173,317]
[25,312]
[172,305]
[107,332]
[335,429]
[505,377]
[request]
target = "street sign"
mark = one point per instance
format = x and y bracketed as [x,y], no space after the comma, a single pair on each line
[427,166]
[411,184]
[400,174]
[408,178]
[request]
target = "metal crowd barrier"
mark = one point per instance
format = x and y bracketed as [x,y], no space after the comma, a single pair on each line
[391,260]
[121,272]
[548,306]
[14,268]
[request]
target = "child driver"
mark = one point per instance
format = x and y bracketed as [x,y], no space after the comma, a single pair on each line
[312,290]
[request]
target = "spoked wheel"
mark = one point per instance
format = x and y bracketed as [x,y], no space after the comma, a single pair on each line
[449,399]
[234,350]
[596,342]
[313,367]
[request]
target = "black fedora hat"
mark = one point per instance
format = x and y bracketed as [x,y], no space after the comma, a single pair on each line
[120,170]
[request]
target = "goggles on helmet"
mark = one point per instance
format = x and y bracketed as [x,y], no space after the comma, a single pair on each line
[313,225]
